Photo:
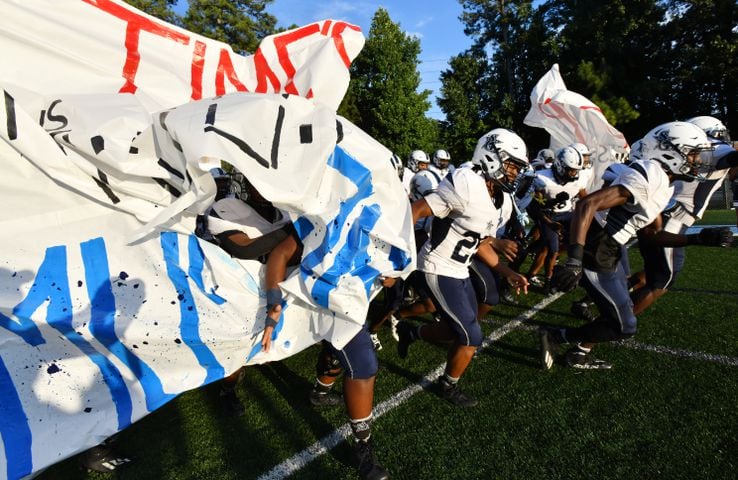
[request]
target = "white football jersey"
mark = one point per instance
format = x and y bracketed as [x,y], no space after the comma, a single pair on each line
[235,214]
[649,185]
[422,183]
[440,172]
[548,188]
[464,215]
[693,197]
[407,176]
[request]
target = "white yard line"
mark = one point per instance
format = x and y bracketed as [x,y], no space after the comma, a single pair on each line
[330,441]
[681,353]
[322,446]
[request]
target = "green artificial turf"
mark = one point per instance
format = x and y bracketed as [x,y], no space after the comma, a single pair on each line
[654,415]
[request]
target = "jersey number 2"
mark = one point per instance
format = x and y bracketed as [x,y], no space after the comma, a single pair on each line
[469,242]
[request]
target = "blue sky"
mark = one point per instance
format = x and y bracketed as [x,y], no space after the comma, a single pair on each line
[435,22]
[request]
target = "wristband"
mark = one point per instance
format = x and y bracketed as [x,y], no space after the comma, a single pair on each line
[270,322]
[274,298]
[576,251]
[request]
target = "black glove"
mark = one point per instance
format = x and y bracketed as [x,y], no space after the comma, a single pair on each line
[712,237]
[566,277]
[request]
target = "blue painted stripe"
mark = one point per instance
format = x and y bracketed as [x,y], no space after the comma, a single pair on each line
[362,178]
[14,430]
[303,227]
[102,327]
[352,257]
[52,280]
[277,329]
[399,258]
[189,323]
[25,328]
[197,262]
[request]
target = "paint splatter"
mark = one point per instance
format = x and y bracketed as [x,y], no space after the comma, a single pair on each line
[53,368]
[122,275]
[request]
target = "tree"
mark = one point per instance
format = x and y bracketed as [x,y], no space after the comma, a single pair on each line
[704,59]
[240,23]
[163,9]
[383,99]
[463,101]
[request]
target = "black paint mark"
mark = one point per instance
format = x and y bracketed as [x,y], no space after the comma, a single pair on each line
[286,96]
[177,340]
[168,187]
[133,150]
[339,131]
[277,136]
[210,117]
[57,118]
[88,409]
[53,368]
[243,146]
[170,169]
[180,297]
[123,275]
[10,113]
[306,133]
[135,285]
[103,184]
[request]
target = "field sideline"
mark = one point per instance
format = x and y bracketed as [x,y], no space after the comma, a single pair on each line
[666,410]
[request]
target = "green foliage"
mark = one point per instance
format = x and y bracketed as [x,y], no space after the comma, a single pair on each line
[240,23]
[162,9]
[383,99]
[463,103]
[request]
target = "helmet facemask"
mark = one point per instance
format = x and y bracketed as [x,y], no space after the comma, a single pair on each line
[685,161]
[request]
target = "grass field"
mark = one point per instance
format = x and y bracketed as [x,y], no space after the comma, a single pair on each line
[668,409]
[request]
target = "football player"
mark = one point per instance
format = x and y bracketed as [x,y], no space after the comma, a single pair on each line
[555,189]
[462,207]
[663,264]
[608,219]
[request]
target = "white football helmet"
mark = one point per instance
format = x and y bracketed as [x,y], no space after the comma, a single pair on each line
[585,152]
[671,143]
[567,164]
[416,157]
[440,159]
[546,155]
[713,127]
[397,165]
[496,148]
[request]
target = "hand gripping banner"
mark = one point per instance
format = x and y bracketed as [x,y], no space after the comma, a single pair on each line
[110,122]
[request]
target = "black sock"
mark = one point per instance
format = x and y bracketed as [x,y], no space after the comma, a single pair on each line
[362,428]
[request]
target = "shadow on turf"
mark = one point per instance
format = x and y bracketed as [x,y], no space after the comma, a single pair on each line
[527,357]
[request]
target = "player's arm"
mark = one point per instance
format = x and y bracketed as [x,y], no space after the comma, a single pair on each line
[276,271]
[487,255]
[420,209]
[586,208]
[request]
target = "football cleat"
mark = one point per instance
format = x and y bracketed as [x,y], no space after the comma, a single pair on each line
[453,394]
[537,281]
[509,298]
[366,463]
[576,358]
[324,399]
[549,347]
[584,310]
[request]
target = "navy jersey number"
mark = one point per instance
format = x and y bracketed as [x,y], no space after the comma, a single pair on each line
[469,243]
